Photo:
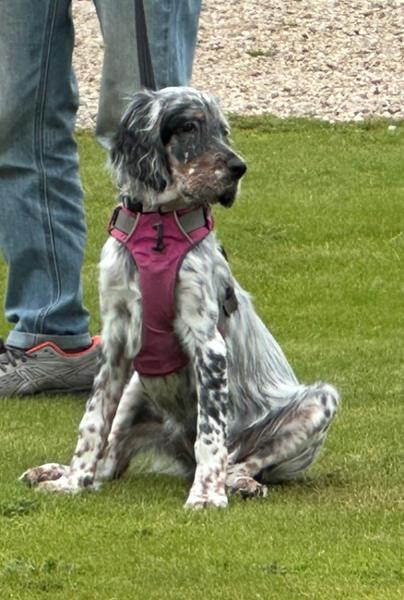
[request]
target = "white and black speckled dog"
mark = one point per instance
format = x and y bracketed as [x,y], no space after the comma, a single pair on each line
[235,415]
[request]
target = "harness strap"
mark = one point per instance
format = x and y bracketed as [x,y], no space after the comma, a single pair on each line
[122,220]
[192,220]
[158,243]
[125,221]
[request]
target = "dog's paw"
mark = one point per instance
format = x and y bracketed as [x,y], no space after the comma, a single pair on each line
[68,484]
[63,485]
[49,472]
[208,489]
[205,496]
[248,487]
[198,502]
[57,478]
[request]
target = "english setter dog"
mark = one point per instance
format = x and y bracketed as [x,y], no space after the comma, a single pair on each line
[188,367]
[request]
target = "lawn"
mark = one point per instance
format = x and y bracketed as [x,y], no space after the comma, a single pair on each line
[317,238]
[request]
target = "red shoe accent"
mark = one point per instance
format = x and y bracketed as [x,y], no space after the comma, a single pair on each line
[96,340]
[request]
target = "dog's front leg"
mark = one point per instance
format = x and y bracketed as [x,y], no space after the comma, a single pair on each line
[92,439]
[208,488]
[96,423]
[120,342]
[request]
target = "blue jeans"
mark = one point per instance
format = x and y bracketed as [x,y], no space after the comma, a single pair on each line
[42,226]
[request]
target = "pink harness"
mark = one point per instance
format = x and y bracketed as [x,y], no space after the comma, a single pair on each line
[158,243]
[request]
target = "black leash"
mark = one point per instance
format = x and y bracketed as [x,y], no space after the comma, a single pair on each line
[147,79]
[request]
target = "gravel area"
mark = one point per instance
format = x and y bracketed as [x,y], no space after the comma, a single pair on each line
[330,59]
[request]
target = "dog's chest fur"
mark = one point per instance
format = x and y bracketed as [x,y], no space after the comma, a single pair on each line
[174,395]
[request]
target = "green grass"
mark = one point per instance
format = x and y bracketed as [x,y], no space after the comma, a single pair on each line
[317,237]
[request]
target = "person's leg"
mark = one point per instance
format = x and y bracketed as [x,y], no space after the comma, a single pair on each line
[172,27]
[171,31]
[42,229]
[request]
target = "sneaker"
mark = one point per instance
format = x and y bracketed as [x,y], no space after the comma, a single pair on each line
[47,368]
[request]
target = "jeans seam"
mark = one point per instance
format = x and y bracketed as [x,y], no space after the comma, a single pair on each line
[168,35]
[39,155]
[165,35]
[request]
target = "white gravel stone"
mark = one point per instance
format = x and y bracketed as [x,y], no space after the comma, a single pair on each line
[332,59]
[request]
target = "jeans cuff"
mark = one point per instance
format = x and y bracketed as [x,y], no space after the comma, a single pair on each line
[65,342]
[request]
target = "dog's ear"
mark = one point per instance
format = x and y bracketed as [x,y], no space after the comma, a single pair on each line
[137,150]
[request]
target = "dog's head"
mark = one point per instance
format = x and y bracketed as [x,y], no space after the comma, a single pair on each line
[172,148]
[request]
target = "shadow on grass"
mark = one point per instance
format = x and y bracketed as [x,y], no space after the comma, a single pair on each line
[152,488]
[18,508]
[333,479]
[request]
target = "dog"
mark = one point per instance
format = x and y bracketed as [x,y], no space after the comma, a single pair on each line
[222,400]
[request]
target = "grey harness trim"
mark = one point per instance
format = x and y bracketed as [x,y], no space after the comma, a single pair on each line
[125,221]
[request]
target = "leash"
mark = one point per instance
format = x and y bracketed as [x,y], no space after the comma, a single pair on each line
[147,78]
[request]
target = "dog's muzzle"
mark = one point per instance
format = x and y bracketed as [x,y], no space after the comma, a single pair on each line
[236,169]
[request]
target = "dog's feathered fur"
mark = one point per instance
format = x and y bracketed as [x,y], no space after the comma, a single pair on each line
[236,417]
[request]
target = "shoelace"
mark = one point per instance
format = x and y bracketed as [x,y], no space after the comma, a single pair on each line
[10,355]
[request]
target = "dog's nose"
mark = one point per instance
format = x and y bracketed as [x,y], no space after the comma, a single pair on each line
[237,167]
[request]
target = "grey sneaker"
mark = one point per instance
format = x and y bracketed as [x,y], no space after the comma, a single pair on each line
[47,368]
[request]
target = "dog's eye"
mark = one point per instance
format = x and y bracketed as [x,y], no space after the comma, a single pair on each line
[187,127]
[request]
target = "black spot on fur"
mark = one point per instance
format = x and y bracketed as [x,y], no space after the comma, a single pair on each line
[205,428]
